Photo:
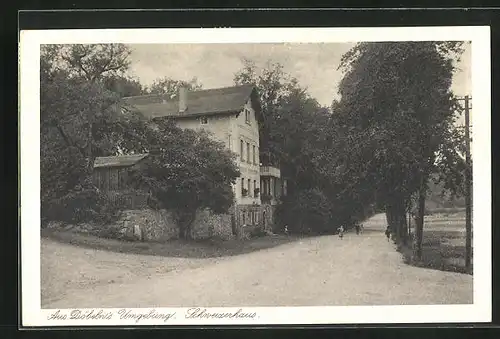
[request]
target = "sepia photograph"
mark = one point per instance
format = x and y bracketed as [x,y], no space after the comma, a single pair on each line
[214,181]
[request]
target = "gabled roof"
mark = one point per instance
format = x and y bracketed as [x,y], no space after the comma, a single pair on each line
[204,102]
[119,160]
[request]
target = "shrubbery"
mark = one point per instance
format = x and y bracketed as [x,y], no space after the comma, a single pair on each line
[308,212]
[79,206]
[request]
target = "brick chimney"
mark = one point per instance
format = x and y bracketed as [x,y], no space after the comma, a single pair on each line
[183,93]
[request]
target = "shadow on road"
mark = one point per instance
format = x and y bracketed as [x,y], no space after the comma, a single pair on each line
[210,248]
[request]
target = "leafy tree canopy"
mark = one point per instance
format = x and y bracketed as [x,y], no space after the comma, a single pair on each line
[396,121]
[170,87]
[92,62]
[396,106]
[292,121]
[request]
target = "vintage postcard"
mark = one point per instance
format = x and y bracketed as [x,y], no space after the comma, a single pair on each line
[255,176]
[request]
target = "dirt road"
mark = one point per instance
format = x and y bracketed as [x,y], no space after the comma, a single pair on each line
[320,271]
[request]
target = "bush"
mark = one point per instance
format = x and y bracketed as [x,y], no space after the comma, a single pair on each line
[80,206]
[308,212]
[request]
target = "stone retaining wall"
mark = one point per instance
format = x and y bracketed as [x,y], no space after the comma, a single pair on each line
[210,225]
[153,225]
[148,225]
[160,225]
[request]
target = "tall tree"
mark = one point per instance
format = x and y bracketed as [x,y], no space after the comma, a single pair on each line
[91,63]
[70,104]
[124,86]
[65,104]
[273,85]
[291,122]
[397,107]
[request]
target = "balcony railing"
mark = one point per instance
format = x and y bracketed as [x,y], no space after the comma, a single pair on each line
[270,171]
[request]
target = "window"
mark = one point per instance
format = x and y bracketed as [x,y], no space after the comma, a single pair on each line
[256,217]
[247,116]
[248,152]
[243,217]
[254,155]
[249,188]
[242,187]
[255,188]
[204,120]
[241,151]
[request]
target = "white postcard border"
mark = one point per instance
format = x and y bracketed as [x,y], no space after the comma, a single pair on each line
[479,311]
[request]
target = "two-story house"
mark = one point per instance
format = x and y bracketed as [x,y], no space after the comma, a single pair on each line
[231,115]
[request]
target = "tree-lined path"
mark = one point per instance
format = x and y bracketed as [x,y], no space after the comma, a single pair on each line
[358,270]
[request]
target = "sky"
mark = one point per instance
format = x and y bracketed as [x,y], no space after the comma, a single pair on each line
[214,65]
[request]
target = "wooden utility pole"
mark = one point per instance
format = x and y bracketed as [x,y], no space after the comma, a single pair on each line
[468,179]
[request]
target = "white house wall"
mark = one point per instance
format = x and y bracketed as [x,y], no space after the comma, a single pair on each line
[231,129]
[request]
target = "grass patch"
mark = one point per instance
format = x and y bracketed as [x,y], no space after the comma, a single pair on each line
[443,246]
[446,211]
[210,248]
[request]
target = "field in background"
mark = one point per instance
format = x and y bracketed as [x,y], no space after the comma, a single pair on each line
[443,211]
[443,245]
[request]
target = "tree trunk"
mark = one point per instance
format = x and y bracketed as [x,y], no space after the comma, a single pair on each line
[185,221]
[408,220]
[403,227]
[396,227]
[419,221]
[403,231]
[388,217]
[396,220]
[90,160]
[88,180]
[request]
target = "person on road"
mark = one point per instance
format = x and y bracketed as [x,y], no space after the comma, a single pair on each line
[341,232]
[358,228]
[388,233]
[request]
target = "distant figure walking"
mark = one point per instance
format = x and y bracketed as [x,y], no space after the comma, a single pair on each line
[388,233]
[341,232]
[358,228]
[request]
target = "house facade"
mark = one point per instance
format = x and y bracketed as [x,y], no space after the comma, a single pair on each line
[231,115]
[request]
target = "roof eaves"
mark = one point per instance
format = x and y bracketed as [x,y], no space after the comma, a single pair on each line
[198,114]
[114,161]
